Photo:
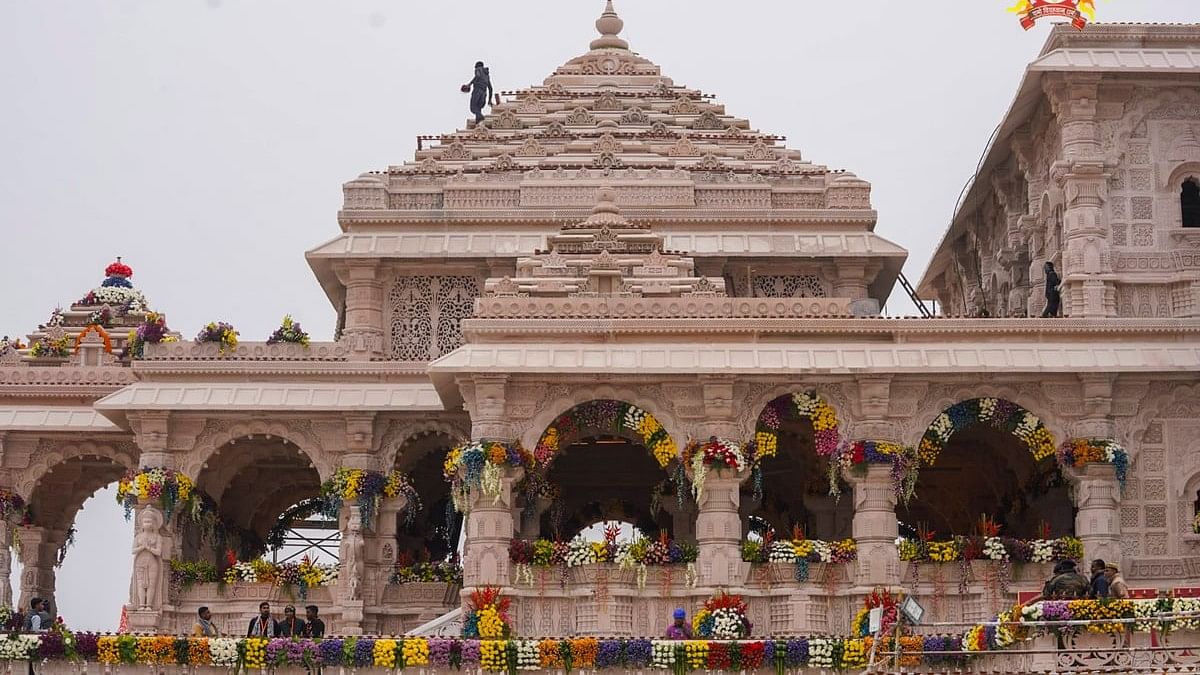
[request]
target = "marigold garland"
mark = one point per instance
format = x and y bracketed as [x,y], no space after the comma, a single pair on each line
[478,465]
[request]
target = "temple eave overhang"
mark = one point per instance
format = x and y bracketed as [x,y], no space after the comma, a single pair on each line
[65,419]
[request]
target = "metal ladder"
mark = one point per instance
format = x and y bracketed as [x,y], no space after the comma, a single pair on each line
[912,295]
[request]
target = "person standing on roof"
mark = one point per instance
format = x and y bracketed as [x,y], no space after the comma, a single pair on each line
[481,90]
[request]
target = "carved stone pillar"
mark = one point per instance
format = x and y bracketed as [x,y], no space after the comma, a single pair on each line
[1098,522]
[351,568]
[153,541]
[875,527]
[719,530]
[490,528]
[6,599]
[380,544]
[38,554]
[683,519]
[363,323]
[1037,274]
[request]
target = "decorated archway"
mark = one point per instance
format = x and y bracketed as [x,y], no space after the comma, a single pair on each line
[989,457]
[432,534]
[602,460]
[795,437]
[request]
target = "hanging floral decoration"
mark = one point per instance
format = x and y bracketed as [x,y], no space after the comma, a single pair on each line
[723,617]
[13,508]
[153,330]
[45,347]
[367,489]
[443,571]
[221,334]
[1079,452]
[808,405]
[997,413]
[699,458]
[798,549]
[989,547]
[170,488]
[98,330]
[904,461]
[606,416]
[879,598]
[478,464]
[580,551]
[487,616]
[302,575]
[290,332]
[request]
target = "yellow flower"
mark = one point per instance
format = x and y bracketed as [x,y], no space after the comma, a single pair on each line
[107,651]
[491,655]
[766,443]
[384,654]
[416,652]
[854,654]
[256,652]
[491,626]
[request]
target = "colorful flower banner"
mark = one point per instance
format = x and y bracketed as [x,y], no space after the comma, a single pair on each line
[808,405]
[996,413]
[611,416]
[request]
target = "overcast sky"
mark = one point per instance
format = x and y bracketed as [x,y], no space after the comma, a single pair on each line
[206,141]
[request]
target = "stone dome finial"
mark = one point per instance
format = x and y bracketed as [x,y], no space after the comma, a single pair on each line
[609,25]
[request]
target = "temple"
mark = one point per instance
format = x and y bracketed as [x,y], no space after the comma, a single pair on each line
[616,301]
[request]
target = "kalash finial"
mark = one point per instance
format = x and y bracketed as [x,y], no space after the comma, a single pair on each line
[609,25]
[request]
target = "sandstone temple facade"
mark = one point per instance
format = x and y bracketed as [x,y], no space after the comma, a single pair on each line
[613,265]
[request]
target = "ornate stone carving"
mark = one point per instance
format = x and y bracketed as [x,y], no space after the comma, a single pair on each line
[456,151]
[635,116]
[684,106]
[580,117]
[708,121]
[426,313]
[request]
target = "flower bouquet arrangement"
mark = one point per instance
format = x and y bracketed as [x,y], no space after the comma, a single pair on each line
[367,489]
[168,486]
[798,549]
[715,453]
[1079,452]
[723,617]
[290,332]
[478,465]
[221,334]
[999,414]
[13,509]
[487,618]
[53,348]
[116,290]
[903,460]
[187,573]
[153,330]
[442,571]
[879,598]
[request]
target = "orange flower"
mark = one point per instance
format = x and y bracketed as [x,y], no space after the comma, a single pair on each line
[549,655]
[583,652]
[496,453]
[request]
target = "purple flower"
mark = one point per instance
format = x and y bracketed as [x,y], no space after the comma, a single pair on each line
[1056,610]
[86,645]
[330,652]
[439,652]
[609,654]
[470,653]
[51,645]
[364,652]
[277,651]
[797,653]
[637,653]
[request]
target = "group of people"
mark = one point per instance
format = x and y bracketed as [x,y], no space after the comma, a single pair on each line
[266,626]
[1068,584]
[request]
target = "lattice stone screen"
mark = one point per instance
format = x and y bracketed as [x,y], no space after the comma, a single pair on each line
[788,286]
[426,314]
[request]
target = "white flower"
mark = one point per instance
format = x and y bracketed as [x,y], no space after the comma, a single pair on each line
[662,654]
[820,653]
[117,295]
[634,418]
[987,406]
[1043,551]
[781,552]
[1032,612]
[18,647]
[223,652]
[727,625]
[993,549]
[527,655]
[823,550]
[805,404]
[580,552]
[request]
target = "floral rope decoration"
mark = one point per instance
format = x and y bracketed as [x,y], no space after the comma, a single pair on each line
[997,413]
[304,574]
[611,416]
[478,465]
[1079,452]
[170,488]
[221,334]
[715,453]
[904,461]
[98,330]
[808,405]
[367,489]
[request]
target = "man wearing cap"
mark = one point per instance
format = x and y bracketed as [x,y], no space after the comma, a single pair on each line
[1118,589]
[680,630]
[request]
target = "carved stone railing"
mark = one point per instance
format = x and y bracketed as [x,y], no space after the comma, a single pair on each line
[640,307]
[247,351]
[233,605]
[406,606]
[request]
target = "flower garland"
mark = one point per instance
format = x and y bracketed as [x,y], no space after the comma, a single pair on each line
[606,415]
[304,574]
[290,332]
[723,617]
[1000,414]
[579,552]
[152,331]
[169,487]
[715,453]
[13,509]
[98,330]
[59,348]
[444,571]
[808,405]
[996,548]
[221,334]
[799,550]
[904,461]
[367,489]
[1079,452]
[478,465]
[488,615]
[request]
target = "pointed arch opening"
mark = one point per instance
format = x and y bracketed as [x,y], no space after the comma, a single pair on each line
[433,533]
[1189,201]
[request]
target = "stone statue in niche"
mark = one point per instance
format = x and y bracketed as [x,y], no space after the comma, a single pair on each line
[147,559]
[352,555]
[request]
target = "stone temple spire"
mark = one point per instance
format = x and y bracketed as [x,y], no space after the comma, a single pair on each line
[609,25]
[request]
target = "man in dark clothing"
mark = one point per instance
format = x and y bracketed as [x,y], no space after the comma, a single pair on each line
[1099,581]
[1053,293]
[1066,584]
[290,626]
[314,627]
[39,618]
[481,90]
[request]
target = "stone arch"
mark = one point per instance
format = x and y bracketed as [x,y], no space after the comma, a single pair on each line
[998,412]
[418,451]
[61,480]
[830,395]
[400,434]
[553,409]
[227,434]
[606,416]
[44,461]
[943,398]
[1182,398]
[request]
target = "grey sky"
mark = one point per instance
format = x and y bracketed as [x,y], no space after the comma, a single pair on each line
[206,141]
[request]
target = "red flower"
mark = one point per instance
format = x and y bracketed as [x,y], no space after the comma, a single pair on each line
[118,269]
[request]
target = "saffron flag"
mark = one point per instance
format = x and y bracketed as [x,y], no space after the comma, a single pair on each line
[124,627]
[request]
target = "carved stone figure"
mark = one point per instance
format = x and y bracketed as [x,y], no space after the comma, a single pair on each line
[352,555]
[147,559]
